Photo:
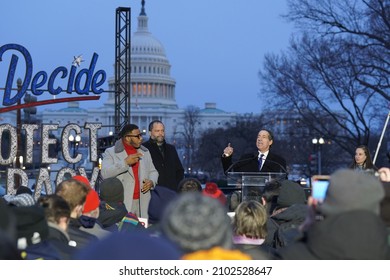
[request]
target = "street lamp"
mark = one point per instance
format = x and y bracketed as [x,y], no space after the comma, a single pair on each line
[74,143]
[318,142]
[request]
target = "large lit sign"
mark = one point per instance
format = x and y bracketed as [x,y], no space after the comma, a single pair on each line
[83,83]
[92,80]
[43,178]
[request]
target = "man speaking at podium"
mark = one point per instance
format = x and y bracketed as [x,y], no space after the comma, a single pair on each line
[262,160]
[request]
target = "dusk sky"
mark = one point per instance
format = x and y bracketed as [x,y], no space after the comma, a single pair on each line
[215,48]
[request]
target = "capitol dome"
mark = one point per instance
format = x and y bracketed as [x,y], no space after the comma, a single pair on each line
[151,83]
[144,43]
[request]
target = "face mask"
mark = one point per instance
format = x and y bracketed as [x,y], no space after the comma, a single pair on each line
[87,222]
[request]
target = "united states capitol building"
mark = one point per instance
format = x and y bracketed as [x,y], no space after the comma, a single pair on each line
[152,90]
[153,96]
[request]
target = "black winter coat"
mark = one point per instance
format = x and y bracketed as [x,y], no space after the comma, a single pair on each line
[169,167]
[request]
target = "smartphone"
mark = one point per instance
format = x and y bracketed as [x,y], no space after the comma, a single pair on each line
[319,187]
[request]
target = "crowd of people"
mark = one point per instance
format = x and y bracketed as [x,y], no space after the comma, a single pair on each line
[145,209]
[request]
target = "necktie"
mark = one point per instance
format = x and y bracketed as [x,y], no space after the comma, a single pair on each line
[260,161]
[161,148]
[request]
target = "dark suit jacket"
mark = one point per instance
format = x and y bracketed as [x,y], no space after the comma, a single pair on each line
[249,163]
[169,167]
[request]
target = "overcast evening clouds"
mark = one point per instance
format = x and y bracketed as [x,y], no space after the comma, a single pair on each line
[215,47]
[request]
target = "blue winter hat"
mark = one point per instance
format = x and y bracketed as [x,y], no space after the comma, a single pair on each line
[135,245]
[160,198]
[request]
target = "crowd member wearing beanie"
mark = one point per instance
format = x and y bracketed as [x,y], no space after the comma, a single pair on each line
[83,180]
[351,227]
[197,222]
[351,190]
[161,197]
[211,189]
[88,219]
[112,191]
[290,212]
[189,185]
[250,230]
[133,245]
[350,235]
[165,157]
[75,192]
[131,163]
[111,209]
[57,213]
[23,199]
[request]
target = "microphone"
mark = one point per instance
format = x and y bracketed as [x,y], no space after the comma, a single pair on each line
[281,166]
[235,164]
[238,162]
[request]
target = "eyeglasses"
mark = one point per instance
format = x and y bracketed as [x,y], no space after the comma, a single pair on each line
[139,136]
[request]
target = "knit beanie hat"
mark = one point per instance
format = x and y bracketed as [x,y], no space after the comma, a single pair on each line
[350,190]
[22,200]
[8,197]
[111,190]
[92,201]
[160,198]
[197,222]
[290,193]
[134,245]
[352,235]
[211,189]
[82,179]
[189,185]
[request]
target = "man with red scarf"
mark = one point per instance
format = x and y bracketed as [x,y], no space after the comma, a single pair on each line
[132,163]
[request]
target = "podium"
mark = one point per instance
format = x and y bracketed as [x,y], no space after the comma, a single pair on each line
[252,184]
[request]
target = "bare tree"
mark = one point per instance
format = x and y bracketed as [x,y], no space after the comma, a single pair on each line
[191,123]
[336,74]
[363,26]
